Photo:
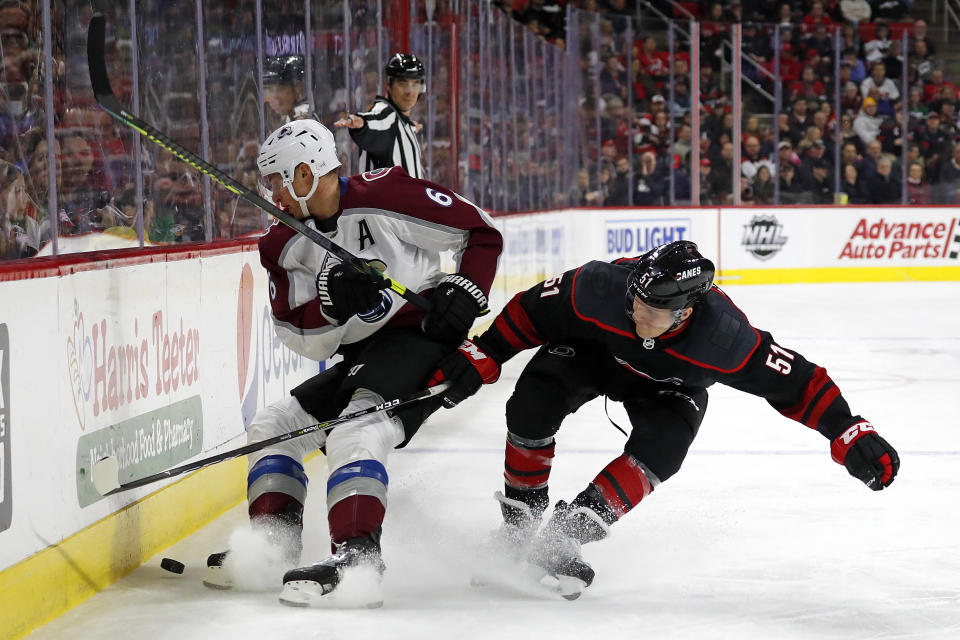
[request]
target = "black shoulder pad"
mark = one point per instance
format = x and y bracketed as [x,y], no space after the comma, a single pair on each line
[719,336]
[598,296]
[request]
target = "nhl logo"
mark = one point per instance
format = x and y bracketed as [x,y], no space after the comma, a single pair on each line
[763,237]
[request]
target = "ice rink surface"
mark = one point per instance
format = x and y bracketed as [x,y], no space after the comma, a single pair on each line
[760,534]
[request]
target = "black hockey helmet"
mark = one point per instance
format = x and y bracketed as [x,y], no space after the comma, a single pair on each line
[673,276]
[287,69]
[405,65]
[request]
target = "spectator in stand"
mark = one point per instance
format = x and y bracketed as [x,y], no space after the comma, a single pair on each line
[933,89]
[819,183]
[870,160]
[817,16]
[812,134]
[924,60]
[933,143]
[681,145]
[660,132]
[847,134]
[867,123]
[891,134]
[858,72]
[821,42]
[855,10]
[785,14]
[808,86]
[946,97]
[619,195]
[883,187]
[875,49]
[785,154]
[850,155]
[813,155]
[722,173]
[916,107]
[585,194]
[893,62]
[651,188]
[613,77]
[894,10]
[656,64]
[948,118]
[850,40]
[887,90]
[752,159]
[852,185]
[798,120]
[757,44]
[792,190]
[920,35]
[950,177]
[708,196]
[763,186]
[850,99]
[710,91]
[918,189]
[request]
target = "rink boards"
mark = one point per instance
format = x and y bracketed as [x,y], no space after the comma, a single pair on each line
[161,356]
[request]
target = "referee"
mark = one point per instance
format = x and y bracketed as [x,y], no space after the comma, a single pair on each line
[386,135]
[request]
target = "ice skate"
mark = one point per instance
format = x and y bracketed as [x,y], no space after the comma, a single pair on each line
[304,587]
[282,550]
[556,550]
[505,548]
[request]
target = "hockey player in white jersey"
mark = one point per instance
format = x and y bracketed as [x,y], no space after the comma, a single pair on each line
[321,307]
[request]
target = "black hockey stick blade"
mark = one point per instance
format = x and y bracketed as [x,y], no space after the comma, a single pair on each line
[106,471]
[102,91]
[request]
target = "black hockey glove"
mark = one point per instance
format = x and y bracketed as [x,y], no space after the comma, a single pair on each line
[466,369]
[457,302]
[344,291]
[866,455]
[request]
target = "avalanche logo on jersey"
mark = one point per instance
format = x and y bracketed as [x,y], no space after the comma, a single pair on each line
[375,174]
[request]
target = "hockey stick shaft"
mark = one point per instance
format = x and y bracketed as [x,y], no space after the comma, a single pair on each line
[103,93]
[109,482]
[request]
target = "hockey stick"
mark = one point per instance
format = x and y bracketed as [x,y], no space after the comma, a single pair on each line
[106,471]
[103,93]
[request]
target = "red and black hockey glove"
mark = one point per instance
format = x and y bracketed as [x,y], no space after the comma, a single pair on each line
[866,455]
[466,369]
[457,302]
[344,291]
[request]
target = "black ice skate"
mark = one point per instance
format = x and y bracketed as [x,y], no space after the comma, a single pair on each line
[556,550]
[304,586]
[284,537]
[508,545]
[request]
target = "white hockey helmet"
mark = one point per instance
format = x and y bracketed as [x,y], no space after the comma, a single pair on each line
[297,142]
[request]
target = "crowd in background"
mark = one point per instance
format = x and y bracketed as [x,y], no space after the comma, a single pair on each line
[637,122]
[630,143]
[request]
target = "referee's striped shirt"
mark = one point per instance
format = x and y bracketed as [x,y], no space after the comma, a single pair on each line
[388,139]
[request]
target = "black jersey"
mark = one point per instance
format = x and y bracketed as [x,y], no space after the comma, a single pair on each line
[717,343]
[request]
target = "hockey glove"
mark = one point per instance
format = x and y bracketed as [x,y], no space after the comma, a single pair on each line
[866,455]
[466,369]
[457,302]
[344,291]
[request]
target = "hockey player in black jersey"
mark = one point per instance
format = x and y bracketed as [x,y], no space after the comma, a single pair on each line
[653,333]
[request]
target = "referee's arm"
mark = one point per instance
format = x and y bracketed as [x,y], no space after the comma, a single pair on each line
[372,130]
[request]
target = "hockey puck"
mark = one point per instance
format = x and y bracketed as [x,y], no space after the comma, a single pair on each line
[171,565]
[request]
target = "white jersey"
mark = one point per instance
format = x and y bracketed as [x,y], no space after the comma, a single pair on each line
[388,216]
